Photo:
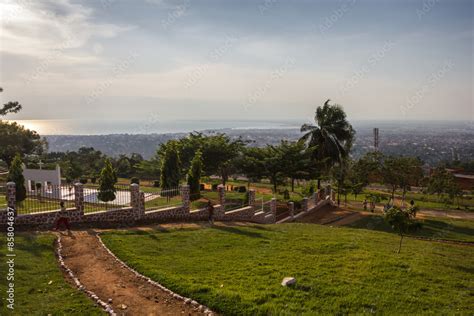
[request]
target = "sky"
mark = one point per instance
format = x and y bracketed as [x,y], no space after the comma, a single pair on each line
[237,60]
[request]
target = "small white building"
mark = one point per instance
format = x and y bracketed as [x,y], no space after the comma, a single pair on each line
[50,181]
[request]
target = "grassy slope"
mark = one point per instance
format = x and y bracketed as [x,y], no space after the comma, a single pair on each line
[238,270]
[36,266]
[434,228]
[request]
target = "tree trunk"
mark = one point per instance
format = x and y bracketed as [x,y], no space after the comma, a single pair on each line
[319,183]
[400,245]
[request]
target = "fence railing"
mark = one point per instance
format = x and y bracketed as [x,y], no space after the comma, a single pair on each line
[46,198]
[163,198]
[102,200]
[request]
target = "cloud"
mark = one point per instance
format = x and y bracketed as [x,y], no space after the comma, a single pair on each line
[41,29]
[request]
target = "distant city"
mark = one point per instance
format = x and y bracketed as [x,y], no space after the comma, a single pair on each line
[433,142]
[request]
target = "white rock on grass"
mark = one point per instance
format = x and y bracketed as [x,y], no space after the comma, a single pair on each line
[288,281]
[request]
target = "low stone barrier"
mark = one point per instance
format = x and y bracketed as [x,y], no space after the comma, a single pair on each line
[136,213]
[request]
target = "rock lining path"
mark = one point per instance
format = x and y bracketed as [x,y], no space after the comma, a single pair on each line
[100,273]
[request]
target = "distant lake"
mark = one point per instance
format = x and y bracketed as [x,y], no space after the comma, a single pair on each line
[150,126]
[102,127]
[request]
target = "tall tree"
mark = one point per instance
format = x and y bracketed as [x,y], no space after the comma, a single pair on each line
[274,165]
[15,174]
[296,161]
[332,135]
[194,176]
[170,166]
[251,164]
[16,139]
[107,181]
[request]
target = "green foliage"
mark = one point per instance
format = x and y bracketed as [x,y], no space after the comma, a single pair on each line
[15,174]
[443,182]
[194,176]
[83,180]
[134,180]
[107,181]
[401,172]
[332,136]
[170,166]
[402,221]
[10,107]
[16,139]
[219,153]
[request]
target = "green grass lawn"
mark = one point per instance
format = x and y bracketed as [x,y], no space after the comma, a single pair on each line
[238,270]
[434,228]
[36,266]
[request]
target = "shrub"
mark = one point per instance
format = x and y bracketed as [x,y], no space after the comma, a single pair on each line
[242,189]
[134,180]
[156,183]
[202,186]
[83,180]
[286,195]
[214,186]
[93,180]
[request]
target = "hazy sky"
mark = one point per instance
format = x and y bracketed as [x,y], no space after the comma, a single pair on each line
[256,59]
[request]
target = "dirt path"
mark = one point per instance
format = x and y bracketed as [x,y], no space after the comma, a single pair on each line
[99,272]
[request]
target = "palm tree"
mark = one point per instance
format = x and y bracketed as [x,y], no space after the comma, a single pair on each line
[332,135]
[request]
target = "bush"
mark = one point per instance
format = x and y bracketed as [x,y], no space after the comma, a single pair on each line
[242,189]
[83,180]
[134,180]
[286,195]
[214,186]
[202,186]
[38,186]
[93,180]
[156,183]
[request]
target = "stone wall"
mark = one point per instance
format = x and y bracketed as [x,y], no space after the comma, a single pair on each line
[136,214]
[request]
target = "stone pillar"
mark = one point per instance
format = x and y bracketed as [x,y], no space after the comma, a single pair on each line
[291,208]
[141,205]
[11,196]
[135,196]
[185,192]
[221,194]
[251,194]
[273,209]
[304,204]
[79,197]
[220,212]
